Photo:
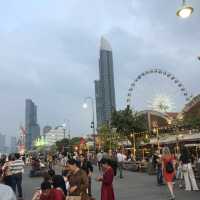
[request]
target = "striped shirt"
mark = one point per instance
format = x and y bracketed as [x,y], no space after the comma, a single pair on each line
[17,166]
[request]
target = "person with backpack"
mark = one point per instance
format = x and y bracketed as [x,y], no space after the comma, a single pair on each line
[168,168]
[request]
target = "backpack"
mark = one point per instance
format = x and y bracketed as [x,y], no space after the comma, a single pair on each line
[169,167]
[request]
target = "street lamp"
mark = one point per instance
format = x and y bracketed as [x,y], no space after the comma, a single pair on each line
[85,106]
[134,144]
[65,126]
[185,11]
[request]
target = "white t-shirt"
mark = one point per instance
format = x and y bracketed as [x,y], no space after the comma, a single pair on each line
[9,194]
[120,157]
[99,156]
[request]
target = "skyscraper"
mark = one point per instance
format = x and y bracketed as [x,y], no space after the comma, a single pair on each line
[104,87]
[32,127]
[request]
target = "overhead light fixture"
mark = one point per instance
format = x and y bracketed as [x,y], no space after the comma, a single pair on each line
[185,11]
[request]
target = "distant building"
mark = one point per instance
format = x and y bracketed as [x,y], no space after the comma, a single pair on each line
[55,135]
[32,127]
[13,144]
[104,87]
[46,129]
[2,143]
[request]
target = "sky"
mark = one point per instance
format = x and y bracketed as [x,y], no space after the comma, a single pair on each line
[49,52]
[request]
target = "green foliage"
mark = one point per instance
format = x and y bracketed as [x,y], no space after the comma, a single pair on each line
[128,122]
[191,121]
[75,141]
[108,137]
[62,143]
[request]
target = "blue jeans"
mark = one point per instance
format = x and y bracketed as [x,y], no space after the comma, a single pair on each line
[159,176]
[17,182]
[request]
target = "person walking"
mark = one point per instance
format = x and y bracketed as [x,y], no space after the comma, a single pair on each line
[99,157]
[86,165]
[188,174]
[17,168]
[107,192]
[7,174]
[78,181]
[168,168]
[157,162]
[120,159]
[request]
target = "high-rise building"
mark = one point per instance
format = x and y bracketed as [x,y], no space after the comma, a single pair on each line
[55,135]
[13,144]
[2,143]
[104,87]
[32,127]
[46,129]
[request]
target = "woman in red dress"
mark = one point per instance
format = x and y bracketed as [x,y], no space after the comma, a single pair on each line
[168,167]
[107,192]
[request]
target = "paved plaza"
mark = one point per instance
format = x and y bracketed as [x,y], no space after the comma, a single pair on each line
[134,186]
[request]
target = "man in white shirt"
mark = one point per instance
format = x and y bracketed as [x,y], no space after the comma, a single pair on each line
[99,158]
[6,193]
[120,159]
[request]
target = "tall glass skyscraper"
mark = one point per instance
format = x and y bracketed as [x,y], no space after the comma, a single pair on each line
[32,127]
[104,87]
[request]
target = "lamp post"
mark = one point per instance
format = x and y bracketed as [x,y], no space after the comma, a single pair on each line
[185,11]
[134,145]
[64,127]
[92,123]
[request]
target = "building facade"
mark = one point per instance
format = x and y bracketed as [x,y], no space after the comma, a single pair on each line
[104,87]
[32,127]
[46,129]
[54,135]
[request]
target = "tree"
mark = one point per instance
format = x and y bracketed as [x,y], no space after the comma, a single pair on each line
[75,141]
[128,122]
[109,138]
[60,145]
[191,121]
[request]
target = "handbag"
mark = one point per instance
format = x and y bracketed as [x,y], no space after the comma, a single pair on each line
[73,198]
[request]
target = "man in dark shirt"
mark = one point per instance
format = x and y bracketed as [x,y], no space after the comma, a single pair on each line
[158,166]
[86,165]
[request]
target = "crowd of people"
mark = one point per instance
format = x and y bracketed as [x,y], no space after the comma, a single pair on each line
[171,168]
[74,181]
[11,169]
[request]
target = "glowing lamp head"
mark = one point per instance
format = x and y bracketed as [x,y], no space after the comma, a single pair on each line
[185,11]
[85,105]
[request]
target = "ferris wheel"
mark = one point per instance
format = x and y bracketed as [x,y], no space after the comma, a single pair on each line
[178,84]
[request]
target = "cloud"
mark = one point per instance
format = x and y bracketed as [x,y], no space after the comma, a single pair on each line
[49,52]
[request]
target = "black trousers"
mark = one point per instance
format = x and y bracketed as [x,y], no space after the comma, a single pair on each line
[89,186]
[17,183]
